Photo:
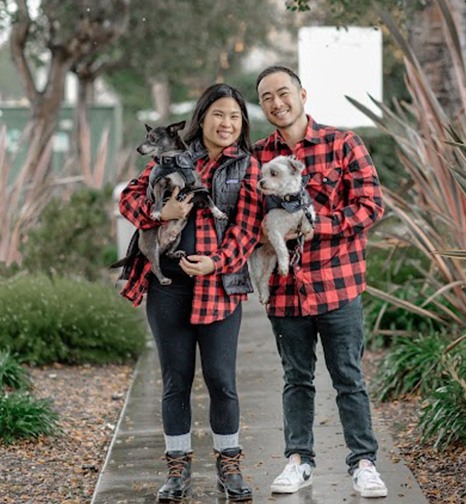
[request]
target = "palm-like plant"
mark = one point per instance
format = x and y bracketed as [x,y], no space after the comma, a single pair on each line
[430,206]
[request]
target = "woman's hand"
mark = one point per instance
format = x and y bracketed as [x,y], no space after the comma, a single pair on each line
[175,209]
[198,265]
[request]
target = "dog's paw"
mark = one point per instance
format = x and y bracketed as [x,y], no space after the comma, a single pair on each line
[220,215]
[283,270]
[178,254]
[264,299]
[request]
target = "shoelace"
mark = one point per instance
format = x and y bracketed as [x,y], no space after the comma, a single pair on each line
[368,475]
[290,469]
[230,465]
[176,465]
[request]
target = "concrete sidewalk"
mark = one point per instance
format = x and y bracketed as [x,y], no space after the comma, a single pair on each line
[135,469]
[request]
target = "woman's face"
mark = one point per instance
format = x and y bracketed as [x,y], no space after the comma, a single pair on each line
[221,126]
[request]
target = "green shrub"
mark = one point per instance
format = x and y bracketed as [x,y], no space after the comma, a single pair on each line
[382,148]
[444,416]
[412,364]
[22,416]
[399,272]
[72,236]
[46,320]
[12,374]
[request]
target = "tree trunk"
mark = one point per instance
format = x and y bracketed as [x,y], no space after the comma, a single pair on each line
[427,39]
[161,97]
[83,130]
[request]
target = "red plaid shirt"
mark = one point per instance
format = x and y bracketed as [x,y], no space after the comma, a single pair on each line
[346,193]
[210,301]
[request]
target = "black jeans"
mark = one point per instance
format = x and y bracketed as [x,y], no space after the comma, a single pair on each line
[341,334]
[168,313]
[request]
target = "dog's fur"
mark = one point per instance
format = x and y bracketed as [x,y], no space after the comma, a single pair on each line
[162,239]
[280,177]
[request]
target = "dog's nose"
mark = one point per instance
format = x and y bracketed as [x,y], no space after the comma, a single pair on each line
[261,183]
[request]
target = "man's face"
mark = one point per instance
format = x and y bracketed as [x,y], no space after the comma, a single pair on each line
[281,99]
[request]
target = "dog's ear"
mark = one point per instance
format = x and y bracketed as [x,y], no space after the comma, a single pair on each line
[296,166]
[175,127]
[148,128]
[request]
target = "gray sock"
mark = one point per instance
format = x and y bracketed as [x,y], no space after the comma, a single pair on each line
[225,441]
[178,443]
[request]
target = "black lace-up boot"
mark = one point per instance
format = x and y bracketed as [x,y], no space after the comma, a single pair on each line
[178,483]
[229,478]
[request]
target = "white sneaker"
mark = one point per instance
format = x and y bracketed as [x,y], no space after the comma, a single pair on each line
[366,480]
[294,476]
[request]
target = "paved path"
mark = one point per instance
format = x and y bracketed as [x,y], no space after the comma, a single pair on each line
[134,468]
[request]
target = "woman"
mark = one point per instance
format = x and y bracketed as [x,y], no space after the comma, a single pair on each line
[202,306]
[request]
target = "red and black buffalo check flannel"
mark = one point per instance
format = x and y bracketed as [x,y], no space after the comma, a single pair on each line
[210,301]
[345,189]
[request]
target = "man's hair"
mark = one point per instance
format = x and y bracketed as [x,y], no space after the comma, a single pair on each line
[275,69]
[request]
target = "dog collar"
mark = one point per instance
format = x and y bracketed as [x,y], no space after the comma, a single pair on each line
[292,202]
[183,161]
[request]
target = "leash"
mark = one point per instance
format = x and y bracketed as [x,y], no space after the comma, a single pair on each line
[298,250]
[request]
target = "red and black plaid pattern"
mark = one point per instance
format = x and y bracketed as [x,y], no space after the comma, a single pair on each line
[345,189]
[210,302]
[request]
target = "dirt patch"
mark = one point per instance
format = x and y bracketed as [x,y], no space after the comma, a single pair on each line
[64,469]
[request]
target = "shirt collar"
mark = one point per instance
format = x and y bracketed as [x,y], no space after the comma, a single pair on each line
[311,135]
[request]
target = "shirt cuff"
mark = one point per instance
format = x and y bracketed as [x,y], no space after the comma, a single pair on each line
[219,263]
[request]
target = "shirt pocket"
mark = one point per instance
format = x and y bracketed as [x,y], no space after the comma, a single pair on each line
[323,187]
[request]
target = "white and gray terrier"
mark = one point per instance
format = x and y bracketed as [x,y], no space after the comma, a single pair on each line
[289,209]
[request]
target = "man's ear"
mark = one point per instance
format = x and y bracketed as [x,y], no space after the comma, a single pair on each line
[303,94]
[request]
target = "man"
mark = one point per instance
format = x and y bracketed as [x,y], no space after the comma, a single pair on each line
[322,293]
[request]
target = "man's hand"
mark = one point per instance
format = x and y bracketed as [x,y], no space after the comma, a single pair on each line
[174,209]
[292,235]
[198,265]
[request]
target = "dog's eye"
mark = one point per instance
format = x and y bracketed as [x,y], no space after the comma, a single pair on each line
[273,173]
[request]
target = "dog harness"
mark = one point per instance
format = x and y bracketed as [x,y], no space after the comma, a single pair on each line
[292,203]
[183,164]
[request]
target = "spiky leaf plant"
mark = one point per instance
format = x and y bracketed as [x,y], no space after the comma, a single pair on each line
[24,417]
[12,374]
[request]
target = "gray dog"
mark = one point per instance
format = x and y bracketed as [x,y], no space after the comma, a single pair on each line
[173,168]
[289,210]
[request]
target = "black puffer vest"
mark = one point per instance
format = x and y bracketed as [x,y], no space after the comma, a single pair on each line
[226,184]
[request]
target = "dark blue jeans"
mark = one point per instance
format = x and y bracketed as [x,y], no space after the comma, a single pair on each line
[168,313]
[342,337]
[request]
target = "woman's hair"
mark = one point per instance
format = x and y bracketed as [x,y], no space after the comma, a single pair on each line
[209,96]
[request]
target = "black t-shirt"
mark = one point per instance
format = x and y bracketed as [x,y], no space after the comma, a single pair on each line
[171,267]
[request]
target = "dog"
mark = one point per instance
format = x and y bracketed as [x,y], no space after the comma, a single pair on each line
[173,168]
[289,209]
